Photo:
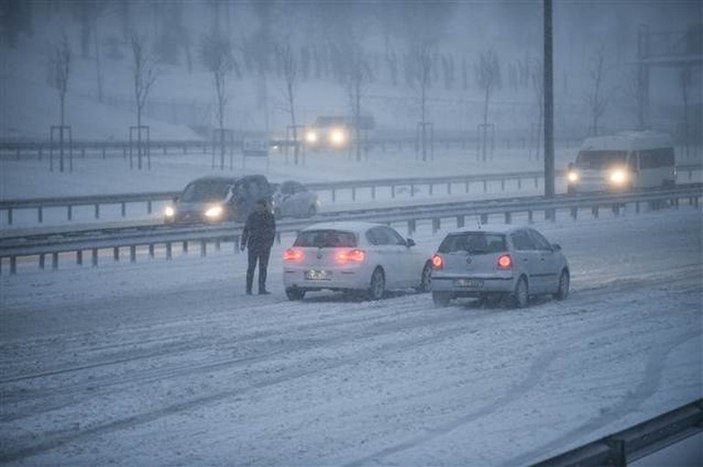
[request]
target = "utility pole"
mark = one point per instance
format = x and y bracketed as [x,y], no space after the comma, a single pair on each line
[548,103]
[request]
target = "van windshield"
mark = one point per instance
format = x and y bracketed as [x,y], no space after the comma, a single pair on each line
[205,192]
[326,239]
[601,159]
[475,243]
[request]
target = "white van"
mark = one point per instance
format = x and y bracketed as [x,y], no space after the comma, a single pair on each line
[623,161]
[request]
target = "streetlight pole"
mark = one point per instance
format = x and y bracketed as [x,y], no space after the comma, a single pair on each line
[548,103]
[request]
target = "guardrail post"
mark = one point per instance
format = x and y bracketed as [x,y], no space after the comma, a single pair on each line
[79,257]
[103,152]
[508,218]
[116,253]
[530,218]
[466,186]
[97,211]
[218,241]
[502,185]
[617,448]
[436,224]
[575,213]
[278,238]
[393,190]
[353,193]
[334,195]
[69,212]
[616,209]
[536,182]
[519,184]
[449,188]
[169,251]
[203,248]
[40,214]
[485,186]
[13,265]
[431,189]
[41,261]
[236,244]
[411,227]
[185,247]
[9,216]
[94,258]
[637,207]
[373,192]
[484,219]
[151,250]
[54,261]
[460,221]
[132,253]
[124,209]
[148,207]
[594,210]
[550,214]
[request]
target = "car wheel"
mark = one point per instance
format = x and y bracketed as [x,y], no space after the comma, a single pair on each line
[378,284]
[563,290]
[441,298]
[295,293]
[425,279]
[521,294]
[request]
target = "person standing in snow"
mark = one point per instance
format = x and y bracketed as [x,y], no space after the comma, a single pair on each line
[258,235]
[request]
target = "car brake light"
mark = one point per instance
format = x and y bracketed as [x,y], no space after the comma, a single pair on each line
[505,262]
[437,262]
[293,255]
[351,256]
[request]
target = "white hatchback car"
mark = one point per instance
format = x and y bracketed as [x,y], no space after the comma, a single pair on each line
[354,256]
[513,262]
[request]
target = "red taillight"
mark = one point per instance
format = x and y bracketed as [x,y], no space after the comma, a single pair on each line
[505,262]
[293,255]
[437,262]
[351,256]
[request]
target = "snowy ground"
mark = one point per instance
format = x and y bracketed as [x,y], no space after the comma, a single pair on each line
[169,363]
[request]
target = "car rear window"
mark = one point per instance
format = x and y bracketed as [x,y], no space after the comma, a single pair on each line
[326,239]
[475,243]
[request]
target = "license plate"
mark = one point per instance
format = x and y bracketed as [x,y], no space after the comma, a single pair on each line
[318,275]
[471,283]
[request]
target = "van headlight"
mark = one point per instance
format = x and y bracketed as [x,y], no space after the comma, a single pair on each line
[214,212]
[338,137]
[618,176]
[572,176]
[311,137]
[169,211]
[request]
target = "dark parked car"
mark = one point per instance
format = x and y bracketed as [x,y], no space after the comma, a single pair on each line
[217,199]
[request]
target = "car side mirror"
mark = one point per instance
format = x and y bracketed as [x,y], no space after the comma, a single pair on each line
[410,242]
[556,247]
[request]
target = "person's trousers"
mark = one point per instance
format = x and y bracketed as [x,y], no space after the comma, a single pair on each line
[260,256]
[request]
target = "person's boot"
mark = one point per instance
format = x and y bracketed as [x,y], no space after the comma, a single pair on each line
[264,292]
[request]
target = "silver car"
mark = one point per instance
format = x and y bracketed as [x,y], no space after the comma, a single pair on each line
[291,198]
[504,262]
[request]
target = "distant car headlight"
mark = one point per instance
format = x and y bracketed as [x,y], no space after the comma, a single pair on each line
[169,211]
[572,176]
[618,176]
[214,212]
[338,137]
[311,137]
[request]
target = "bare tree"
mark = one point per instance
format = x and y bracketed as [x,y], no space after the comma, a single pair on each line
[59,71]
[144,74]
[288,64]
[488,78]
[421,75]
[686,80]
[358,76]
[216,55]
[597,99]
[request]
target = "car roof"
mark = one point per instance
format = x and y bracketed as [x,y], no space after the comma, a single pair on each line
[350,226]
[493,229]
[214,179]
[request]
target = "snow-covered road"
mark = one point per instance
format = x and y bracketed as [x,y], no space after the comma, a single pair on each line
[171,364]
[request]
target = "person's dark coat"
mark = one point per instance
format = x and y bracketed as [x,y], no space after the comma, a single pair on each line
[259,231]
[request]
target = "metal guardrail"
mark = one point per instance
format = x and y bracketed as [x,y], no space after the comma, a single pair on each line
[333,187]
[149,236]
[637,442]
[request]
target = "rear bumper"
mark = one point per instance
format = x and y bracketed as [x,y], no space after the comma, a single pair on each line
[488,285]
[341,279]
